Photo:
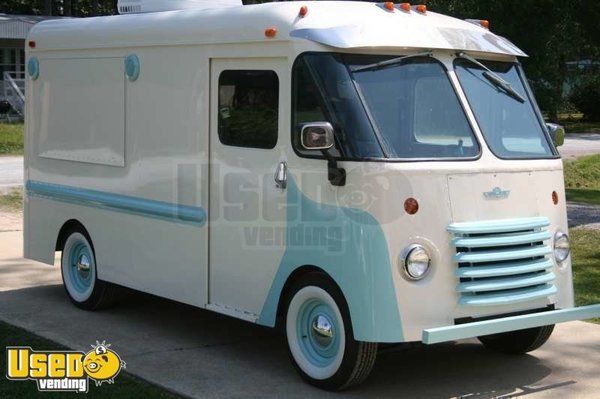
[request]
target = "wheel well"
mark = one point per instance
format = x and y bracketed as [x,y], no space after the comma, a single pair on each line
[67,228]
[292,278]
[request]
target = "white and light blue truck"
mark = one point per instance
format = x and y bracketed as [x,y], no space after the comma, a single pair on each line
[357,173]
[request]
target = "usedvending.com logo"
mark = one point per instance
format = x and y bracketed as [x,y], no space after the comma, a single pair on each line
[56,371]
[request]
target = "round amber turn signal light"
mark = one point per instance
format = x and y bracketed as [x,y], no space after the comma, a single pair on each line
[411,206]
[271,32]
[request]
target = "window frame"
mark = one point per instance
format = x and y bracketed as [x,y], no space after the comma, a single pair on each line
[532,102]
[463,107]
[278,108]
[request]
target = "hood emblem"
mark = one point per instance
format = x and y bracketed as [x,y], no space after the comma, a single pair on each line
[496,193]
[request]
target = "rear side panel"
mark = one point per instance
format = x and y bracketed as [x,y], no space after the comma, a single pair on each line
[127,159]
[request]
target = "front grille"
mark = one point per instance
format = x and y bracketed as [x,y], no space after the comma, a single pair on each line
[503,261]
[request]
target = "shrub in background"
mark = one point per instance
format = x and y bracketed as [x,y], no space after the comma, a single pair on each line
[586,97]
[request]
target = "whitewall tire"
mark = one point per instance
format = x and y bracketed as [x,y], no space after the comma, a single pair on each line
[320,338]
[315,332]
[80,274]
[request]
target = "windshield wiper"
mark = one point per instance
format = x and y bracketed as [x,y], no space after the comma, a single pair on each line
[386,63]
[493,78]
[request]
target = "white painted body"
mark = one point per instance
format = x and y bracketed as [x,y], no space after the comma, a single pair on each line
[154,138]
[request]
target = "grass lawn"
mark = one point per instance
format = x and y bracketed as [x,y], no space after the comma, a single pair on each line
[583,195]
[11,138]
[582,179]
[13,201]
[585,245]
[125,386]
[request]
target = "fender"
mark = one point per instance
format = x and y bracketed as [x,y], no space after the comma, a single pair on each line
[360,266]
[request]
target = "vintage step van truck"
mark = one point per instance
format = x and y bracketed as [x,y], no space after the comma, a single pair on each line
[357,173]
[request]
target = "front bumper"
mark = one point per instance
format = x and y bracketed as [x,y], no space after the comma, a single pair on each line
[505,324]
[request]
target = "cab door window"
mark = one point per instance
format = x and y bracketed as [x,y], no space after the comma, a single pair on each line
[248,108]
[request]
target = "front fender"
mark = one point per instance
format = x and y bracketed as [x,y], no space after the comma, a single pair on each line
[354,255]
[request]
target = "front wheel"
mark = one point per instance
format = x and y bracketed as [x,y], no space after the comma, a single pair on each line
[320,339]
[518,342]
[79,274]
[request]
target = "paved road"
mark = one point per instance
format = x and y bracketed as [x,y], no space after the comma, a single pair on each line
[11,172]
[205,355]
[577,145]
[584,215]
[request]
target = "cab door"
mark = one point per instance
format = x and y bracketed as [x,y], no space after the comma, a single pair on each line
[248,142]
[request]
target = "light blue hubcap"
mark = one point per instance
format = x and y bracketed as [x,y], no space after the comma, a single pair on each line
[317,327]
[81,270]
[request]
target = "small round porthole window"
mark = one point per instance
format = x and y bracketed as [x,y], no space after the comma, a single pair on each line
[132,67]
[33,68]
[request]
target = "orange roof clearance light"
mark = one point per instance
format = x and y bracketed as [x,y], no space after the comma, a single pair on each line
[303,11]
[405,7]
[485,24]
[422,8]
[271,32]
[389,6]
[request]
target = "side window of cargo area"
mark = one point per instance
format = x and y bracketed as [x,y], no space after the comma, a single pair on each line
[248,108]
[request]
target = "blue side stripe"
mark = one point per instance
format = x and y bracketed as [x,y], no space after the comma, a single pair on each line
[117,202]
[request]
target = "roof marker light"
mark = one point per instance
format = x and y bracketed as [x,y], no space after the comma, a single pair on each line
[484,23]
[303,11]
[422,8]
[32,44]
[405,7]
[271,32]
[389,6]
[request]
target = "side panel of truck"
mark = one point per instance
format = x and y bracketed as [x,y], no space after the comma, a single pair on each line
[134,174]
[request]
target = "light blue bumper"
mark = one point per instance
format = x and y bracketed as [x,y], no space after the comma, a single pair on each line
[487,327]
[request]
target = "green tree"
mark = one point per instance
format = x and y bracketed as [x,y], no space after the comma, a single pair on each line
[551,32]
[75,8]
[586,97]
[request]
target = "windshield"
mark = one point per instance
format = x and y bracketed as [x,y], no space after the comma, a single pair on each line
[511,127]
[407,109]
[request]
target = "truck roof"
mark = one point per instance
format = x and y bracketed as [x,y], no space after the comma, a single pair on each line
[337,24]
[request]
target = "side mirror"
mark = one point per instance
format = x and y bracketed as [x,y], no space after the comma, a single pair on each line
[317,136]
[557,133]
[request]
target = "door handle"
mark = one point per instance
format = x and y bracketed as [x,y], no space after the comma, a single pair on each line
[281,175]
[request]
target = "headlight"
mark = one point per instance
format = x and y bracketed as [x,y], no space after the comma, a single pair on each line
[415,262]
[562,248]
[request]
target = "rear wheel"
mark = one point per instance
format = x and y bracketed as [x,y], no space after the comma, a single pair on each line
[79,274]
[518,342]
[320,338]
